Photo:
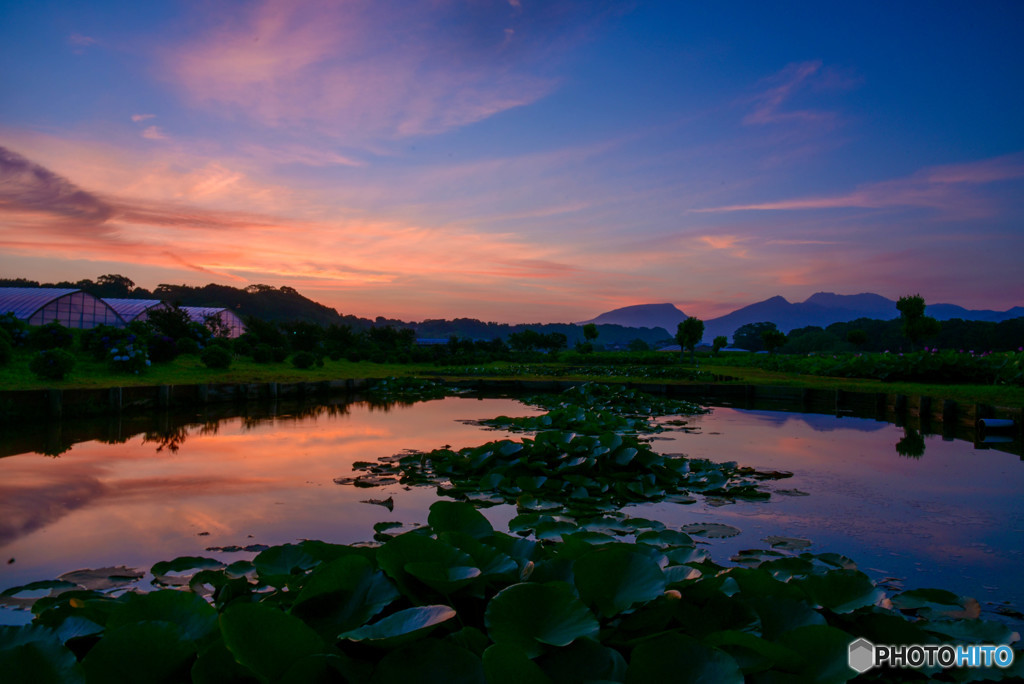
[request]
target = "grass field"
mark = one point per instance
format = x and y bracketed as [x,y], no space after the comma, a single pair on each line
[188,370]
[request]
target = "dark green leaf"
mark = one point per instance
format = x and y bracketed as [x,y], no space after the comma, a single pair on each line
[530,615]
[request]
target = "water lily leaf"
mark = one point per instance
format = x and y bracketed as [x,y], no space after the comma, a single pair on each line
[677,658]
[430,661]
[823,652]
[584,660]
[665,538]
[101,579]
[530,615]
[711,530]
[194,617]
[490,561]
[279,564]
[781,614]
[324,667]
[413,560]
[26,595]
[552,529]
[178,571]
[267,640]
[787,543]
[144,651]
[840,591]
[753,653]
[343,594]
[508,663]
[406,624]
[681,555]
[35,655]
[457,516]
[614,579]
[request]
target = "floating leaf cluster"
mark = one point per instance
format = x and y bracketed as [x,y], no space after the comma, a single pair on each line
[409,390]
[578,473]
[456,601]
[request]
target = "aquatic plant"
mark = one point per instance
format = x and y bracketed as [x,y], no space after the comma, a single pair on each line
[458,601]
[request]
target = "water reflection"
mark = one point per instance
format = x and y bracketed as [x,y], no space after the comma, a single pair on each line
[146,488]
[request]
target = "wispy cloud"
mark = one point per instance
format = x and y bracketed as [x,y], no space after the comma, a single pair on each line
[154,133]
[944,188]
[137,118]
[26,188]
[362,68]
[773,104]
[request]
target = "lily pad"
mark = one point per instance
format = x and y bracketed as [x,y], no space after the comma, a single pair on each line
[401,626]
[711,530]
[533,616]
[787,543]
[614,579]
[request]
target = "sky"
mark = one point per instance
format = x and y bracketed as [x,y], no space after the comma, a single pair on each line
[518,160]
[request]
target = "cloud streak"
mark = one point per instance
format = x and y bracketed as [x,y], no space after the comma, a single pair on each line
[942,188]
[363,68]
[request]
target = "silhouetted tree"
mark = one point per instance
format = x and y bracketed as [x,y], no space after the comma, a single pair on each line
[916,326]
[689,334]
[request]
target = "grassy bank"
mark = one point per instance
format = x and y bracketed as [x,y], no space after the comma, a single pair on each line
[189,370]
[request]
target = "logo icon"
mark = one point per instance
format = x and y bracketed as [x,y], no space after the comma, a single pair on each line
[862,655]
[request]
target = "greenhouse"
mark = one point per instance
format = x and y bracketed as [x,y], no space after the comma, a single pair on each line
[222,318]
[135,309]
[70,307]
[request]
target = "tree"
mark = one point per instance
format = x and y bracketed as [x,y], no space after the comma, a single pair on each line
[857,338]
[720,343]
[113,285]
[773,339]
[689,334]
[589,334]
[749,336]
[916,326]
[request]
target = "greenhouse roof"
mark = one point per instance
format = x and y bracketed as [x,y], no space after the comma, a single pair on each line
[25,301]
[200,313]
[129,309]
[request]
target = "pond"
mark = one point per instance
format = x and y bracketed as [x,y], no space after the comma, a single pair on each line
[157,487]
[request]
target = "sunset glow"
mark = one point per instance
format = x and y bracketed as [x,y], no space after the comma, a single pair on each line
[518,161]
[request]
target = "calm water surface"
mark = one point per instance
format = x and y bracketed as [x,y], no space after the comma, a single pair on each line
[953,518]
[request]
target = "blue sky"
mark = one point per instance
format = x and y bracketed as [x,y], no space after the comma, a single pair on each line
[518,161]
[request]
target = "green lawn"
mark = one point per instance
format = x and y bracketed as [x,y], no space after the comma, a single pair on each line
[188,370]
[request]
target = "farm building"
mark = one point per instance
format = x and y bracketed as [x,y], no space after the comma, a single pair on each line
[70,307]
[226,318]
[135,309]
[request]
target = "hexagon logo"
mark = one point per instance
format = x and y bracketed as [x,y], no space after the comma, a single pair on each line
[862,655]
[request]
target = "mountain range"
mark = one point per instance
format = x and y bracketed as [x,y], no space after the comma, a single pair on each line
[821,309]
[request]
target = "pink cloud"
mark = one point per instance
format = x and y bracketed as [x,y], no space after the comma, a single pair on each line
[770,104]
[154,133]
[942,188]
[360,68]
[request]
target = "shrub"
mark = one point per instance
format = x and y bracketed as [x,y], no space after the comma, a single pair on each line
[186,345]
[128,357]
[15,327]
[52,364]
[304,360]
[263,353]
[6,350]
[216,356]
[163,348]
[53,335]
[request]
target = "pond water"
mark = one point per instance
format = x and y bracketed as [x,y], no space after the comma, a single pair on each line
[952,517]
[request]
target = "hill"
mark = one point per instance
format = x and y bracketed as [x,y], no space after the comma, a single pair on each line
[821,309]
[664,316]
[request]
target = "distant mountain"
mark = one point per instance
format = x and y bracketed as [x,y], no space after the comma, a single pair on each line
[665,316]
[821,309]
